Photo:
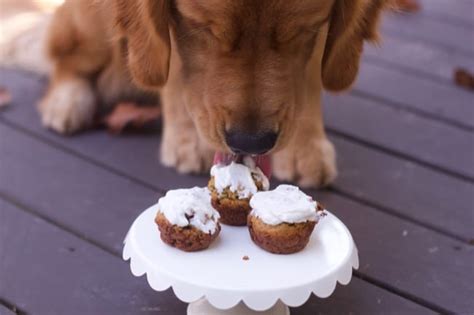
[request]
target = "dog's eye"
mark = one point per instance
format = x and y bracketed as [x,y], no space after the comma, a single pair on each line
[205,30]
[200,28]
[303,34]
[306,32]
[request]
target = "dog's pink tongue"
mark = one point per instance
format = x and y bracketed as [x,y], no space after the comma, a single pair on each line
[264,162]
[223,158]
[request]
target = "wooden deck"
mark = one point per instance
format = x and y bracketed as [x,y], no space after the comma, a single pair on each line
[405,145]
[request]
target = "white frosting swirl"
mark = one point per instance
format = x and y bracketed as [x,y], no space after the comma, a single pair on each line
[238,178]
[285,204]
[190,206]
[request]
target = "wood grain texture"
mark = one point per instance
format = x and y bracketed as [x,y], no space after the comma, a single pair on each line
[45,270]
[5,311]
[112,202]
[424,28]
[419,56]
[57,273]
[406,91]
[462,11]
[413,259]
[434,198]
[71,191]
[403,132]
[401,185]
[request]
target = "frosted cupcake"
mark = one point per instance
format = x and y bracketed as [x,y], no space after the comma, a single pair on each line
[231,188]
[282,220]
[186,219]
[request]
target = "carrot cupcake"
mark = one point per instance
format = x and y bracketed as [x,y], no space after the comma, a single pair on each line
[186,219]
[282,220]
[231,188]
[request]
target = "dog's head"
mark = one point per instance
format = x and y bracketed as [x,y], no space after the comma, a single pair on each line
[245,65]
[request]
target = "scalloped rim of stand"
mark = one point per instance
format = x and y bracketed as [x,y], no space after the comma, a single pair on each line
[259,301]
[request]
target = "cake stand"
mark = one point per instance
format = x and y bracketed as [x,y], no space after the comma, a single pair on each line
[234,276]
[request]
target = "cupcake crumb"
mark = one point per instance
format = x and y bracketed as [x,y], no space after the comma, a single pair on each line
[245,258]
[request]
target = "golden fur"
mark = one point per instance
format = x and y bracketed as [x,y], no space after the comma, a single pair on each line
[217,65]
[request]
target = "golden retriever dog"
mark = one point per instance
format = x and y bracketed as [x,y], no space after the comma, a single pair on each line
[235,76]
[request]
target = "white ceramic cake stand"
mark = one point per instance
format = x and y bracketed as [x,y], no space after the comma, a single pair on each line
[220,280]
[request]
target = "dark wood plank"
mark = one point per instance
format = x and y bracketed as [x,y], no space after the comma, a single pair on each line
[405,256]
[70,190]
[69,276]
[424,28]
[419,56]
[412,135]
[453,11]
[391,179]
[96,198]
[407,188]
[103,147]
[5,311]
[348,300]
[436,99]
[45,270]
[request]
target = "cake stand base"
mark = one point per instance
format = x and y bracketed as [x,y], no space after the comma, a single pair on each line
[203,307]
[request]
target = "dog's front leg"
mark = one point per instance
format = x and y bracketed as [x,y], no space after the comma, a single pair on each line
[181,146]
[309,159]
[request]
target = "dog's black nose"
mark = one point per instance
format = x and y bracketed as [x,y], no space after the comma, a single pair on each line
[250,143]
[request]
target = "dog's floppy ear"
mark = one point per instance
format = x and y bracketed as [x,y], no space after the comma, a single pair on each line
[352,22]
[145,25]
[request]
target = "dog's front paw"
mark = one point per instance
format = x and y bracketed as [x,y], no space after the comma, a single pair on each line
[184,151]
[68,107]
[310,165]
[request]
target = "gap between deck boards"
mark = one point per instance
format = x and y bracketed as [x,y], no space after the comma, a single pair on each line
[144,183]
[112,252]
[10,307]
[401,155]
[357,274]
[361,296]
[419,27]
[416,111]
[455,12]
[147,185]
[394,66]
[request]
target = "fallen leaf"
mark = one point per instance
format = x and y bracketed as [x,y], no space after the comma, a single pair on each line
[131,115]
[464,78]
[406,5]
[5,97]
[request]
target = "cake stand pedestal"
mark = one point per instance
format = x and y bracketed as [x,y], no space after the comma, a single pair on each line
[234,276]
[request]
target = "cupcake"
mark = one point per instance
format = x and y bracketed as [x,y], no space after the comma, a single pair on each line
[282,220]
[186,219]
[231,188]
